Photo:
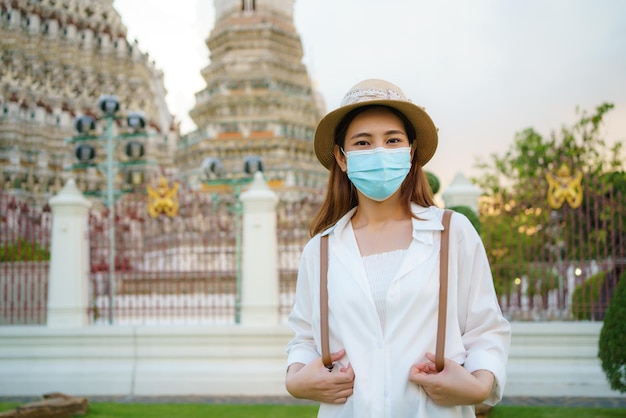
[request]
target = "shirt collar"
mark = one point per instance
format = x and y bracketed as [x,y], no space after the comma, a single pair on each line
[429,220]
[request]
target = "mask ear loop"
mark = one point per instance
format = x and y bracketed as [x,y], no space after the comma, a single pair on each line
[345,155]
[413,151]
[352,188]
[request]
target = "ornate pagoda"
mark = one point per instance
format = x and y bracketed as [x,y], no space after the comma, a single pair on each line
[57,58]
[258,103]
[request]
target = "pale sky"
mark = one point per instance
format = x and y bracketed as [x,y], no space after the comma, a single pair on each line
[483,69]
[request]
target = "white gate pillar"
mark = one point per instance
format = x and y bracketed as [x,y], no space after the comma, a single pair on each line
[69,259]
[462,192]
[259,292]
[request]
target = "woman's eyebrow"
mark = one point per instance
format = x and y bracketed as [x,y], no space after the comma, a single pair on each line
[395,132]
[361,135]
[368,135]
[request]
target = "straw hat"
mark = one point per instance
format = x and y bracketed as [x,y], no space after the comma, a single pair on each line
[376,92]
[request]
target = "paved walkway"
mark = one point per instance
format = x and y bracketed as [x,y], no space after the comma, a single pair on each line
[608,402]
[612,402]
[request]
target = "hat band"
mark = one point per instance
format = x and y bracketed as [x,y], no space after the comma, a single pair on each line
[364,95]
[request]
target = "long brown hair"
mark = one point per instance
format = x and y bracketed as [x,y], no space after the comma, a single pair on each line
[341,194]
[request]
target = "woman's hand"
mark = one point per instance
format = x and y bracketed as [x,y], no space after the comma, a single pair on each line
[315,382]
[453,385]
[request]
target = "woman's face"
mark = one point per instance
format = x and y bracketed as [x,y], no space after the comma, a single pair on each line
[374,128]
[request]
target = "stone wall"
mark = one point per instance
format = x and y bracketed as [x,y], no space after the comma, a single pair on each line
[547,359]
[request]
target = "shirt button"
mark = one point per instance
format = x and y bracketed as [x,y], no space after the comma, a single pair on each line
[379,345]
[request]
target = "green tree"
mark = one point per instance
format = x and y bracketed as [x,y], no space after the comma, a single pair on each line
[531,154]
[612,344]
[515,217]
[434,182]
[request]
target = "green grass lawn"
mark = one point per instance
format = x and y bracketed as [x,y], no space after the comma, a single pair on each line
[123,410]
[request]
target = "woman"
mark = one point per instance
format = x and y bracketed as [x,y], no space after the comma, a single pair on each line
[383,276]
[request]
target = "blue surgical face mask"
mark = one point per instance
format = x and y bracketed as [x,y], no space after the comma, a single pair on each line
[378,173]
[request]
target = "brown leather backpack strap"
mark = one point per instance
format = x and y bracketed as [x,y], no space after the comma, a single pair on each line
[324,302]
[443,291]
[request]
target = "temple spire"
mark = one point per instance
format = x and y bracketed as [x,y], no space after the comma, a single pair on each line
[258,97]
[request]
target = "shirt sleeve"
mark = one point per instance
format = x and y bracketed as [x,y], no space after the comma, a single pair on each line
[303,347]
[486,333]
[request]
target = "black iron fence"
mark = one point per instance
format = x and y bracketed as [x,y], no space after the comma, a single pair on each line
[556,263]
[548,264]
[24,260]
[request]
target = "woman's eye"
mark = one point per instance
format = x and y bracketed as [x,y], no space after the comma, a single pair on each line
[394,140]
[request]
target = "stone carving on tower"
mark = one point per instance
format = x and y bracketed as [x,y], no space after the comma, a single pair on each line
[57,58]
[258,100]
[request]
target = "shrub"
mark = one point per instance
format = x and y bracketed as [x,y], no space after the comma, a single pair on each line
[586,296]
[470,214]
[433,181]
[23,251]
[612,347]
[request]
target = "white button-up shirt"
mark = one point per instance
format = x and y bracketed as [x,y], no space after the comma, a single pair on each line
[478,339]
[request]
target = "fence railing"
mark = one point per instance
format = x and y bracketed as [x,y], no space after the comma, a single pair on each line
[185,269]
[556,263]
[23,292]
[24,255]
[179,269]
[548,264]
